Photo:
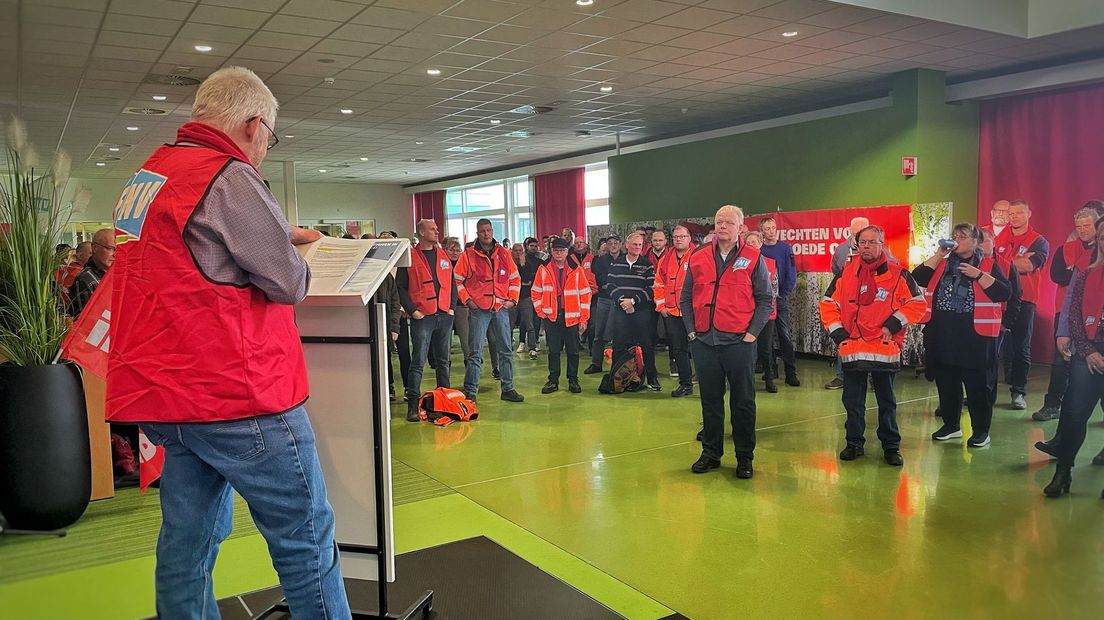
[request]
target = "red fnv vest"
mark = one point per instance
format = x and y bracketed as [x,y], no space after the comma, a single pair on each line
[725,302]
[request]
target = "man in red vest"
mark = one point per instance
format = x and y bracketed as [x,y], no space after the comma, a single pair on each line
[426,291]
[488,283]
[865,311]
[1024,250]
[205,354]
[726,300]
[670,275]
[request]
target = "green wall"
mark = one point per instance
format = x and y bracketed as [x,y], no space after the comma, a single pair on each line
[844,161]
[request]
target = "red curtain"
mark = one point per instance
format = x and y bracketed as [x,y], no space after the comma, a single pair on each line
[559,202]
[1046,149]
[431,206]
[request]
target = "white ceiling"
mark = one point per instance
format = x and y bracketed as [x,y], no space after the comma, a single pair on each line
[675,66]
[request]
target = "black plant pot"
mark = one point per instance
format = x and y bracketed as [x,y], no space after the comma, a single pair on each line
[45,461]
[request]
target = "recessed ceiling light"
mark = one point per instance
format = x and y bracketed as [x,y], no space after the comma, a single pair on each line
[584,2]
[113,149]
[346,111]
[289,137]
[462,149]
[159,97]
[495,121]
[363,159]
[419,143]
[433,72]
[606,89]
[518,134]
[322,170]
[203,48]
[790,33]
[100,164]
[132,128]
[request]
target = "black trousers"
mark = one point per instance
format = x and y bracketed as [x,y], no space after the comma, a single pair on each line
[403,345]
[949,381]
[783,328]
[1020,341]
[765,344]
[729,366]
[854,401]
[601,312]
[1085,390]
[634,329]
[558,336]
[679,344]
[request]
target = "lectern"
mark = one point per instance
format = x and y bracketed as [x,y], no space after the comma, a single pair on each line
[345,339]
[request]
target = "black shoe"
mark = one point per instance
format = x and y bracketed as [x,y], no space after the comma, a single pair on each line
[893,457]
[470,397]
[851,452]
[547,389]
[592,370]
[704,464]
[574,387]
[743,467]
[496,374]
[1049,448]
[412,412]
[683,390]
[512,396]
[1047,413]
[946,432]
[758,367]
[655,387]
[835,384]
[1060,484]
[699,436]
[978,440]
[1099,458]
[791,379]
[771,387]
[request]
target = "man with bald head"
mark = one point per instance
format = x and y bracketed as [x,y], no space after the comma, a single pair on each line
[101,259]
[998,218]
[426,291]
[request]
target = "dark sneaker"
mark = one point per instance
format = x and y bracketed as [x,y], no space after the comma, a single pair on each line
[699,436]
[1019,402]
[496,374]
[655,387]
[893,457]
[704,464]
[947,432]
[834,384]
[683,390]
[978,440]
[592,370]
[412,412]
[574,387]
[791,379]
[743,468]
[512,396]
[470,397]
[771,387]
[851,452]
[547,389]
[1046,414]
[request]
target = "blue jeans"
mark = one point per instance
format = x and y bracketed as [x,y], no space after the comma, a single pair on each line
[272,462]
[434,330]
[495,325]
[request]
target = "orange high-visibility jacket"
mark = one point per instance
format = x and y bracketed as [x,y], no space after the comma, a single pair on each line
[426,299]
[670,273]
[897,297]
[489,281]
[576,293]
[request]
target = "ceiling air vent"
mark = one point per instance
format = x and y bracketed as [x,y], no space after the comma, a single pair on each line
[536,109]
[417,160]
[145,111]
[171,79]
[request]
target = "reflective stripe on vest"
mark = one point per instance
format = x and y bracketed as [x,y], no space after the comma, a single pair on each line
[987,314]
[576,294]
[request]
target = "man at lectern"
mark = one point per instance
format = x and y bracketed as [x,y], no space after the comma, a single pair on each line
[205,354]
[426,291]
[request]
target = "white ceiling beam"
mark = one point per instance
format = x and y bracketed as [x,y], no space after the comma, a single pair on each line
[1021,18]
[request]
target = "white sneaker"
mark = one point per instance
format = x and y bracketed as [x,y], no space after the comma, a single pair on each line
[521,348]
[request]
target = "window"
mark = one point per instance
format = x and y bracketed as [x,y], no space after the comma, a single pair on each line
[507,203]
[596,191]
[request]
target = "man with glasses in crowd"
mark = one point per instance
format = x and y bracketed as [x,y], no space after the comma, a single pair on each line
[101,259]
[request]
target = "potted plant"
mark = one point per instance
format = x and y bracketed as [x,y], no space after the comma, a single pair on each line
[44,451]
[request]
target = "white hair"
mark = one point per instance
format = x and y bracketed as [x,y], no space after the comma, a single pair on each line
[735,212]
[860,221]
[231,96]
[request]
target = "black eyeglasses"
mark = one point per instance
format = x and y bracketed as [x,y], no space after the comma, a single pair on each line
[273,139]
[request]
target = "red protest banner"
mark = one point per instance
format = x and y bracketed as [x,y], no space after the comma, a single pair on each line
[815,235]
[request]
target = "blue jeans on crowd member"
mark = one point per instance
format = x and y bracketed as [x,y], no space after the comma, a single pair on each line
[854,401]
[434,330]
[1020,339]
[495,325]
[600,324]
[272,462]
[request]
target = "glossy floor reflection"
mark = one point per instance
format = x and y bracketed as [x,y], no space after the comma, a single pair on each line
[954,533]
